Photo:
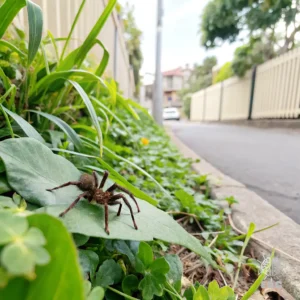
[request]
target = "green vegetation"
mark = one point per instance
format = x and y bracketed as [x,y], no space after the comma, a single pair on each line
[224,73]
[60,118]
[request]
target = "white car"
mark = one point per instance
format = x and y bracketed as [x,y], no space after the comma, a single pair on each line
[171,113]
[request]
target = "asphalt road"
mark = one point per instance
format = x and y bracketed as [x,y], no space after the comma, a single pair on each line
[267,161]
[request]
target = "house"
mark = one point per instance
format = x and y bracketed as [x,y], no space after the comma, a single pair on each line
[173,82]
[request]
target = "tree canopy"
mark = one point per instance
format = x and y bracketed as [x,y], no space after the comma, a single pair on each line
[225,20]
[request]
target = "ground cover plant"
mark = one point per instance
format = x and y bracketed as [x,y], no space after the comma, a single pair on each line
[60,119]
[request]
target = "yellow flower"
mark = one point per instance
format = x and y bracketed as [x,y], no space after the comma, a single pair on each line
[144,141]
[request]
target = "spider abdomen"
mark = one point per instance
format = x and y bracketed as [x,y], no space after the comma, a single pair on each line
[86,182]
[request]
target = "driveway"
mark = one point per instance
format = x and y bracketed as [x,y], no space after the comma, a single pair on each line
[266,160]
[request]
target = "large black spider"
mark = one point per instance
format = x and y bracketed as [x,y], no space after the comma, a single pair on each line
[91,191]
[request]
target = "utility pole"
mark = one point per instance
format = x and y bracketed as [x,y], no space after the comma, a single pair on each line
[158,92]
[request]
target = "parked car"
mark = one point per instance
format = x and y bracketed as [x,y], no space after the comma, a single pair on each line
[171,113]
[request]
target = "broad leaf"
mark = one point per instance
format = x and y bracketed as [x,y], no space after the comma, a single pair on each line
[130,284]
[28,129]
[175,273]
[145,254]
[89,261]
[109,273]
[27,160]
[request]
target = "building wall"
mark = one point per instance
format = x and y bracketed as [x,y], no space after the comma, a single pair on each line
[58,18]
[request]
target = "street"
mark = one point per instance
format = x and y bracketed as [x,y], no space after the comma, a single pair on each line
[267,161]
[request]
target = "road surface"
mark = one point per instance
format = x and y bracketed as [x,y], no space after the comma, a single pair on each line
[266,160]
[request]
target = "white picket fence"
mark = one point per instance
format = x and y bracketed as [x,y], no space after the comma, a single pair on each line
[276,93]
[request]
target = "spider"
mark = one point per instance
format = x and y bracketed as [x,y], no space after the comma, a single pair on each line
[92,191]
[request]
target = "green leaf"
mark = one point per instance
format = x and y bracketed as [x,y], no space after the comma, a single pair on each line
[17,259]
[41,255]
[28,129]
[91,110]
[27,160]
[201,294]
[34,237]
[80,239]
[130,284]
[77,56]
[89,261]
[255,286]
[11,227]
[160,265]
[152,285]
[176,270]
[12,47]
[72,135]
[186,199]
[7,202]
[35,20]
[96,294]
[213,290]
[9,9]
[4,186]
[109,273]
[59,279]
[145,254]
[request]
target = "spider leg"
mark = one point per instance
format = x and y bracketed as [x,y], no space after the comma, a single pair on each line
[106,218]
[116,186]
[64,185]
[105,175]
[96,179]
[73,204]
[116,203]
[121,196]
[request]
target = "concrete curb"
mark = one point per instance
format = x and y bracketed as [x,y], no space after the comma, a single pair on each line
[252,208]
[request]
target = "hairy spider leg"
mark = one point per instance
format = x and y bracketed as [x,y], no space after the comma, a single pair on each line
[96,179]
[105,176]
[116,186]
[73,203]
[106,218]
[121,196]
[116,203]
[63,185]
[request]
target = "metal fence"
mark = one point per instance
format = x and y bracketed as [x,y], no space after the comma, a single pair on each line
[58,17]
[276,93]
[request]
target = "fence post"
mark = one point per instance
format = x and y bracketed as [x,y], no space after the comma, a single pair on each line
[253,78]
[221,101]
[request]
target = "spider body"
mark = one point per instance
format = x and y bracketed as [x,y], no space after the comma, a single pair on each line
[93,192]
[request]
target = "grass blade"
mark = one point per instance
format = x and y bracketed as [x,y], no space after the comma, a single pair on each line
[78,55]
[248,236]
[5,80]
[8,10]
[72,29]
[63,126]
[47,81]
[113,174]
[127,106]
[28,129]
[254,287]
[12,47]
[92,112]
[35,20]
[54,44]
[106,109]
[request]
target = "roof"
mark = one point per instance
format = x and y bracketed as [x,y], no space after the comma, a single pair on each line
[174,72]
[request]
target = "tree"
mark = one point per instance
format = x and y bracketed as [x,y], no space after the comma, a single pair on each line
[225,20]
[224,73]
[257,51]
[133,39]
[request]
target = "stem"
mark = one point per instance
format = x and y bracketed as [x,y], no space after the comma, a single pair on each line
[122,294]
[72,29]
[175,293]
[7,122]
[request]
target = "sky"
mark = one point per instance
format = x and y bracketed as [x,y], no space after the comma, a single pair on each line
[180,35]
